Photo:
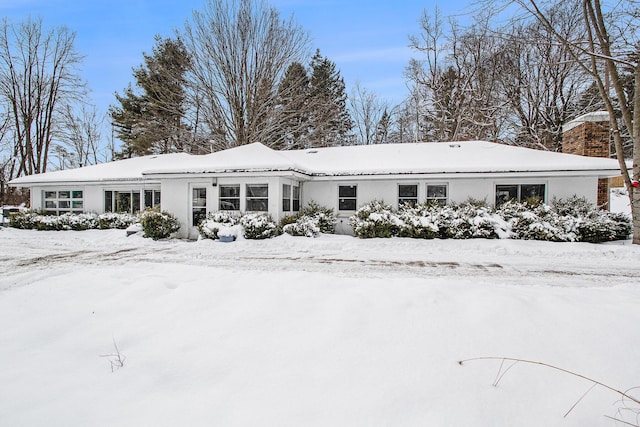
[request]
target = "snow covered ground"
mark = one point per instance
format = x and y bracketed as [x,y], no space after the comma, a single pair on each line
[293,331]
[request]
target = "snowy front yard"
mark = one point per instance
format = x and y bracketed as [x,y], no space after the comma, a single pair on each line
[333,331]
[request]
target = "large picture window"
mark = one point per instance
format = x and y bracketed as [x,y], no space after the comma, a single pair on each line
[437,193]
[520,192]
[229,199]
[198,205]
[59,202]
[407,195]
[122,201]
[257,197]
[347,197]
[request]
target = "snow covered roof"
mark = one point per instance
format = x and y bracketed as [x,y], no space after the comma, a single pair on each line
[251,157]
[469,157]
[121,170]
[445,158]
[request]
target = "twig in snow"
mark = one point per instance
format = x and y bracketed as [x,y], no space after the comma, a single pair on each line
[626,397]
[115,359]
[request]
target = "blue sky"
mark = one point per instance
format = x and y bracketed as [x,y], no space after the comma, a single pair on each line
[367,39]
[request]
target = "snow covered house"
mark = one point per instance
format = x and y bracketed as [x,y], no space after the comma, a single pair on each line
[257,178]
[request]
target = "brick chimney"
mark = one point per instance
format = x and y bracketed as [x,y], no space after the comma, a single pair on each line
[588,135]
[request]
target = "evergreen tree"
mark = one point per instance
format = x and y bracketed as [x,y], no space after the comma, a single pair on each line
[330,121]
[294,105]
[383,128]
[152,122]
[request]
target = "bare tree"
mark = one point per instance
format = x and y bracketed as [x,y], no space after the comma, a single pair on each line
[456,80]
[367,110]
[80,136]
[609,45]
[37,76]
[240,50]
[539,79]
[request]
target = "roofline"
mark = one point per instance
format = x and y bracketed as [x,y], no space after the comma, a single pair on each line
[155,177]
[111,181]
[227,172]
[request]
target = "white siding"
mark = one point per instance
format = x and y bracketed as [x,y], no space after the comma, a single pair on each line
[176,193]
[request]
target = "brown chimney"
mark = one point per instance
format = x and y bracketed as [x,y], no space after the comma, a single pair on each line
[588,135]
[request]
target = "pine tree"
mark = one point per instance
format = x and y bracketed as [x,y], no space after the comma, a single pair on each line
[383,128]
[152,122]
[294,106]
[330,121]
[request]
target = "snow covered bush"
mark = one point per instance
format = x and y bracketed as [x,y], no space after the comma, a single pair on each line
[574,219]
[116,220]
[592,224]
[25,220]
[158,225]
[375,219]
[310,222]
[215,221]
[471,220]
[304,226]
[324,218]
[543,223]
[574,206]
[78,222]
[622,225]
[419,221]
[258,226]
[68,221]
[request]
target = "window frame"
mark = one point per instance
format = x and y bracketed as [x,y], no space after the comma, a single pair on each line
[410,200]
[295,198]
[343,199]
[252,200]
[291,197]
[198,204]
[134,197]
[58,202]
[442,200]
[233,200]
[152,198]
[499,192]
[286,197]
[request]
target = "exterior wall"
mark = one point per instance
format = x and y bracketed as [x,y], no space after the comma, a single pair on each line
[325,193]
[93,194]
[562,188]
[176,193]
[177,197]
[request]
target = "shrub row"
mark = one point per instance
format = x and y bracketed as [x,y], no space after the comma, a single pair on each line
[567,220]
[31,220]
[311,221]
[155,224]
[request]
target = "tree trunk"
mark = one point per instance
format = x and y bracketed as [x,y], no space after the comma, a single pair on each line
[634,192]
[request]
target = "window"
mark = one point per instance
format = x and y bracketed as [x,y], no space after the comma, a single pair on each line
[59,202]
[290,198]
[295,198]
[347,197]
[437,193]
[198,205]
[229,198]
[407,194]
[257,197]
[122,201]
[520,192]
[286,198]
[151,198]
